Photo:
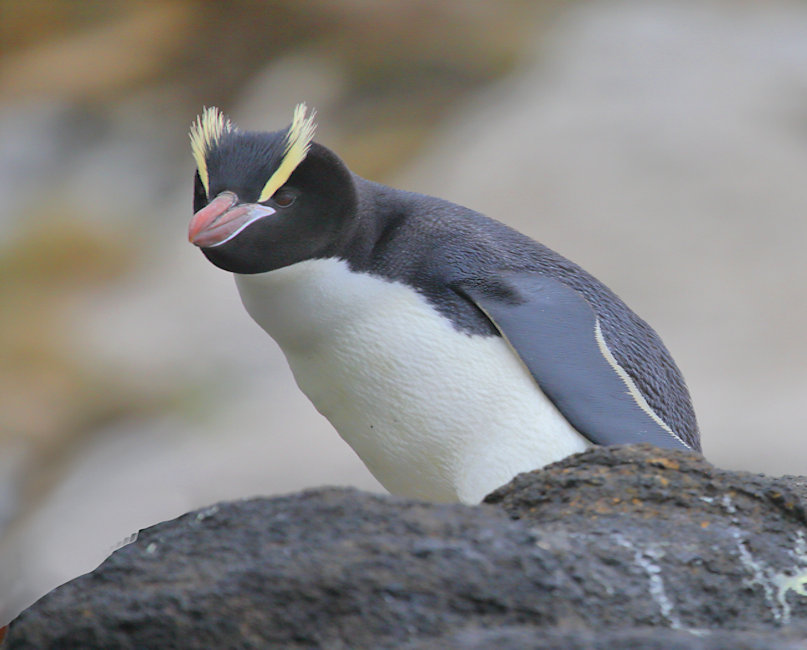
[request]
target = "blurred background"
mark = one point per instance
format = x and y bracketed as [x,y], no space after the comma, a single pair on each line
[661,144]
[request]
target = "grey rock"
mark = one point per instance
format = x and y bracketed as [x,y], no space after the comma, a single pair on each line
[531,638]
[694,545]
[629,547]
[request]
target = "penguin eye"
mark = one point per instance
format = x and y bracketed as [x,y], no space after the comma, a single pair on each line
[284,197]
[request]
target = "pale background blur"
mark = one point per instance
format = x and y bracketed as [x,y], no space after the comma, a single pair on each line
[661,144]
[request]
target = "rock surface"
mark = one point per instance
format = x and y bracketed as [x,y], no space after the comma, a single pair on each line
[628,547]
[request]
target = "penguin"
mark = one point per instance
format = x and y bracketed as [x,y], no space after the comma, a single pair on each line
[450,351]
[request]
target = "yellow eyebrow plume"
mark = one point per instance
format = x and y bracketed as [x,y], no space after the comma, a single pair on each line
[205,134]
[298,140]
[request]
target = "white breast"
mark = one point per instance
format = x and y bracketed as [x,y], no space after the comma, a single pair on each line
[432,412]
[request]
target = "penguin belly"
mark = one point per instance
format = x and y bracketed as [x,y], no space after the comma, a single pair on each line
[433,413]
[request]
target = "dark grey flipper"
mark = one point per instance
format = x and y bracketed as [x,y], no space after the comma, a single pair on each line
[555,332]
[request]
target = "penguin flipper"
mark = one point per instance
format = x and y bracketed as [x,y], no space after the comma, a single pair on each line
[557,335]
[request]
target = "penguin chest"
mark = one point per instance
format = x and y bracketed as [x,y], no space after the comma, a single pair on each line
[434,413]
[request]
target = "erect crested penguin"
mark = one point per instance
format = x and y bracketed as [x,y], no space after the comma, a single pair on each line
[450,351]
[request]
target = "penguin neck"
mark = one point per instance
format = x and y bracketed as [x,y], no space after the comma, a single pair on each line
[300,303]
[378,214]
[288,302]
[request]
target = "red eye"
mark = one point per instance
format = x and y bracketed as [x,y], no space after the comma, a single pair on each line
[284,197]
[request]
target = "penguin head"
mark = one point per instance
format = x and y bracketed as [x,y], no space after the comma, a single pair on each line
[263,201]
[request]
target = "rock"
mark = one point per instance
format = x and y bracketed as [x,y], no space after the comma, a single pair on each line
[526,637]
[615,547]
[679,531]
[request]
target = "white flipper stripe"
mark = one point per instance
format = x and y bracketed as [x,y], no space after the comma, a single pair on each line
[633,390]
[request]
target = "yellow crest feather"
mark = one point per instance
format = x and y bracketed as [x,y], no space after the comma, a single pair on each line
[298,141]
[205,133]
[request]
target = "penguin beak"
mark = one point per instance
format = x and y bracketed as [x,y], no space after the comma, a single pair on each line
[222,219]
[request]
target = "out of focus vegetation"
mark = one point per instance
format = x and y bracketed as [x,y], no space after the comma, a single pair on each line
[402,61]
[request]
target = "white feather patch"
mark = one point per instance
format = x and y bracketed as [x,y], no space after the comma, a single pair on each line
[433,413]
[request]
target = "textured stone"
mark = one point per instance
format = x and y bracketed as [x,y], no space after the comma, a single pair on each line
[648,638]
[617,547]
[703,546]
